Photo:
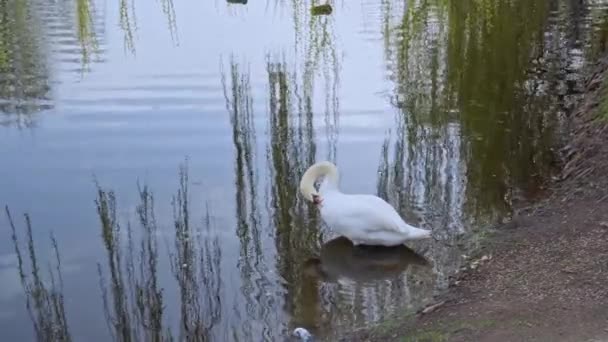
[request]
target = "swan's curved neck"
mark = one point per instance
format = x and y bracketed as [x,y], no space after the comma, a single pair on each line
[324,169]
[330,175]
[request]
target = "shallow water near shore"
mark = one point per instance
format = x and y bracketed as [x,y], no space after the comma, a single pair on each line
[449,110]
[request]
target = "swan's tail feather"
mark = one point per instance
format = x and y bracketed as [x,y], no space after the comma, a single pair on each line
[419,234]
[423,234]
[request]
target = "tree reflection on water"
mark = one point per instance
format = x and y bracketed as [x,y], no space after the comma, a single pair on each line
[44,301]
[133,300]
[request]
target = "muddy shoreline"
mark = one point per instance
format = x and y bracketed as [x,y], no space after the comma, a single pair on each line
[543,276]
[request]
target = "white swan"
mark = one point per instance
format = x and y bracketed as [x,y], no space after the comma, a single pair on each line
[363,219]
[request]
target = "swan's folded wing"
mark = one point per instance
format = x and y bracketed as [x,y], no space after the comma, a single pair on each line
[372,214]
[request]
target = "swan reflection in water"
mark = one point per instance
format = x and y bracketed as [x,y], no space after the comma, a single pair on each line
[339,259]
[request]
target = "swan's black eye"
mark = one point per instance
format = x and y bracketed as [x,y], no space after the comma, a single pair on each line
[318,182]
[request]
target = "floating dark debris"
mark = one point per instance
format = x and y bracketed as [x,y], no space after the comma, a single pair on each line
[321,9]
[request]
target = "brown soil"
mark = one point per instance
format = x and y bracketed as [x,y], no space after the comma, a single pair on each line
[544,276]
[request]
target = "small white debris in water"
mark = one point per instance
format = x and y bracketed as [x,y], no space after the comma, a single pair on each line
[485,258]
[302,334]
[184,265]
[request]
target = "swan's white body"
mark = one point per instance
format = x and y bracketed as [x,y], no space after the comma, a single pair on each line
[363,219]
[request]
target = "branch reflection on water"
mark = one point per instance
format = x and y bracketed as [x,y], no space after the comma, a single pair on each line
[72,28]
[24,72]
[137,310]
[252,265]
[324,307]
[133,301]
[317,55]
[291,151]
[75,30]
[479,101]
[44,301]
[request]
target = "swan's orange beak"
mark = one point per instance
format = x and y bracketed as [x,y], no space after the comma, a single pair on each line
[316,199]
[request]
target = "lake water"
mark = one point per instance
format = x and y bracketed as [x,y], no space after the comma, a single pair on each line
[449,110]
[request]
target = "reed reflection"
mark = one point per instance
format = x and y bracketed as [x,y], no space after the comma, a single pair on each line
[460,75]
[76,31]
[316,42]
[291,151]
[44,299]
[133,301]
[318,56]
[24,73]
[129,26]
[421,173]
[252,264]
[479,103]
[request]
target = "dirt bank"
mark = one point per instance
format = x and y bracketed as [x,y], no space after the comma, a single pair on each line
[543,276]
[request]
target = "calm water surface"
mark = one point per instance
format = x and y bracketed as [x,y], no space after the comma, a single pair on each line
[448,109]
